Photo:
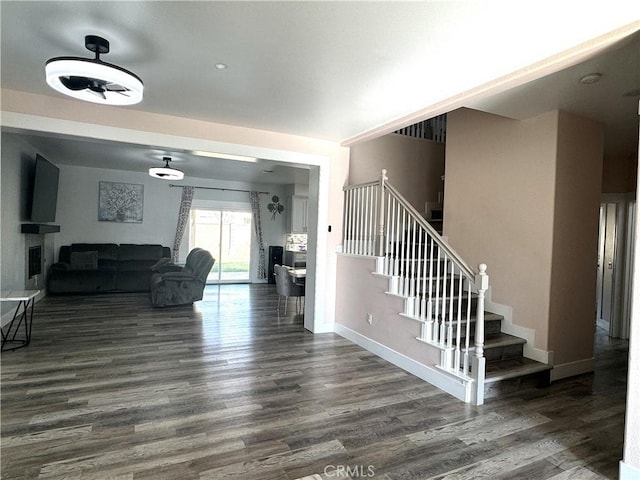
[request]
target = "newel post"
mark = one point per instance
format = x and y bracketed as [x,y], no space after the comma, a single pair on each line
[381,218]
[479,361]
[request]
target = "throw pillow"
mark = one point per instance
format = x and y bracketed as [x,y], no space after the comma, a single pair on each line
[84,260]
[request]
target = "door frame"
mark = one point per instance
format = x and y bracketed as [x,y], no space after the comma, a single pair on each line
[622,260]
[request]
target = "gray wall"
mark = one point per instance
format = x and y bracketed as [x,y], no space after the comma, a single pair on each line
[17,164]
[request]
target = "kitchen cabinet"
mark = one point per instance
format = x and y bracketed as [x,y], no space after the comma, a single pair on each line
[298,214]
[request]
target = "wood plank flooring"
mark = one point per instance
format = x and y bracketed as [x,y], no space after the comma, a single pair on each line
[111,388]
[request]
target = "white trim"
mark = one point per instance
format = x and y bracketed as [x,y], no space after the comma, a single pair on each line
[507,326]
[572,369]
[370,257]
[438,378]
[31,122]
[628,472]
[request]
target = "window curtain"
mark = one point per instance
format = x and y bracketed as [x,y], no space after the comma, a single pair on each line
[183,219]
[257,225]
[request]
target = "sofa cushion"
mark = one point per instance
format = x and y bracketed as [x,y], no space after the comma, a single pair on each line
[81,281]
[106,251]
[133,281]
[84,260]
[128,251]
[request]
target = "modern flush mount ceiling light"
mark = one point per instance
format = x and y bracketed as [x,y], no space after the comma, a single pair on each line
[93,80]
[590,78]
[166,172]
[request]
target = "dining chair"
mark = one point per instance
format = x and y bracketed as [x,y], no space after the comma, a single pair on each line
[286,287]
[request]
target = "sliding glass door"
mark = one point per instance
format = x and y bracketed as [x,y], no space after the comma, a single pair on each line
[227,235]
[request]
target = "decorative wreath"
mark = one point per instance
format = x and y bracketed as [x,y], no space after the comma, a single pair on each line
[275,207]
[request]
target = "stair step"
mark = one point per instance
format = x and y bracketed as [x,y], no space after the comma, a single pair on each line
[492,325]
[513,368]
[437,225]
[503,346]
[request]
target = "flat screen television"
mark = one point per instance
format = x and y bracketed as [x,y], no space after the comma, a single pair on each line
[45,191]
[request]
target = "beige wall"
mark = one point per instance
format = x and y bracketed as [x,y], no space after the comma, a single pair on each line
[498,207]
[523,196]
[360,293]
[414,166]
[575,238]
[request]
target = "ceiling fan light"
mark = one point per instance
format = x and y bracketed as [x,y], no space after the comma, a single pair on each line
[93,80]
[166,172]
[86,67]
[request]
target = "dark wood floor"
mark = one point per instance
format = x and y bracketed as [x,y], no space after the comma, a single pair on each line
[112,388]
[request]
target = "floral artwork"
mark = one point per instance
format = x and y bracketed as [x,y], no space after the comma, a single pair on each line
[120,202]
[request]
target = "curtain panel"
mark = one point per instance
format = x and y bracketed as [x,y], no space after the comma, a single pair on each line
[257,225]
[183,219]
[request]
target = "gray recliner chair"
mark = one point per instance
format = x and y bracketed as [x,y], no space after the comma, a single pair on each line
[286,287]
[175,285]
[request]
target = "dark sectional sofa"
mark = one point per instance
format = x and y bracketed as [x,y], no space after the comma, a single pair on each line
[105,267]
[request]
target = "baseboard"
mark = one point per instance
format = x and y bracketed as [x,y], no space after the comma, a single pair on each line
[510,328]
[571,369]
[437,378]
[628,472]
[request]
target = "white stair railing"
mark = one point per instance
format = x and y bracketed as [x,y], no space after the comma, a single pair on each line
[440,289]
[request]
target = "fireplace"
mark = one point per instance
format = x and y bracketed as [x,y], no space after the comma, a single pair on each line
[34,261]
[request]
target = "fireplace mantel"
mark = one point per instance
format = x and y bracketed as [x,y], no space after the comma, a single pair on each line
[40,228]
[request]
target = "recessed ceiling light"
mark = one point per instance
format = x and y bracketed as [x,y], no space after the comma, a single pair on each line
[590,78]
[221,66]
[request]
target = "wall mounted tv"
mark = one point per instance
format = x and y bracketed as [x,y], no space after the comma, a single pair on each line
[45,191]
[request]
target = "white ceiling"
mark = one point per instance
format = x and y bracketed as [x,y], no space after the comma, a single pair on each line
[330,70]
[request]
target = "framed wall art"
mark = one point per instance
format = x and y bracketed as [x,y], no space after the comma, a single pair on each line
[120,202]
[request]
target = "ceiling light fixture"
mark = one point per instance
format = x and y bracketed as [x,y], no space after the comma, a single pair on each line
[224,156]
[590,78]
[166,172]
[93,80]
[221,66]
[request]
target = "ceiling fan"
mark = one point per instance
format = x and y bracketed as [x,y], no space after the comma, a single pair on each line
[95,85]
[93,80]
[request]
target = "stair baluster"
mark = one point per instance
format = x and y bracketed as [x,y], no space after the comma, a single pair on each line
[379,221]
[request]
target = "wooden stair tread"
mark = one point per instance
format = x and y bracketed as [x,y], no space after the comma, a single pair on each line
[502,340]
[519,367]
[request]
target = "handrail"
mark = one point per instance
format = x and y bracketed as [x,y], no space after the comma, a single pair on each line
[422,267]
[361,185]
[432,231]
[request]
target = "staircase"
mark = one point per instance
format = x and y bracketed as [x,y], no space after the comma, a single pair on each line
[440,291]
[507,368]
